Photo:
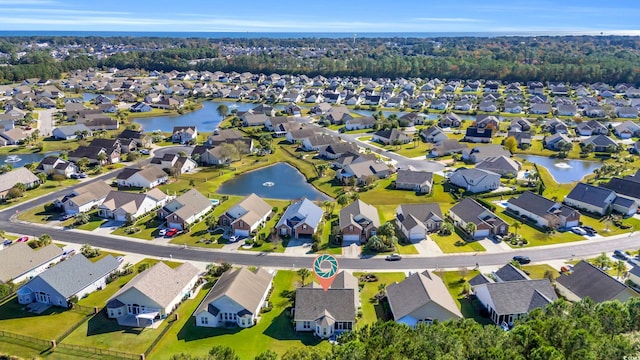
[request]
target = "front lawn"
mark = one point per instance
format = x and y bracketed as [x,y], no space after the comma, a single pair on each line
[273,332]
[536,237]
[94,222]
[538,271]
[373,311]
[456,281]
[49,325]
[455,244]
[44,189]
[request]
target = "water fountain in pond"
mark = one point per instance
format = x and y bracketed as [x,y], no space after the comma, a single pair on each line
[563,165]
[268,184]
[12,159]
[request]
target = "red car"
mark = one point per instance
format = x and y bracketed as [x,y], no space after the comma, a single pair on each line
[23,239]
[171,232]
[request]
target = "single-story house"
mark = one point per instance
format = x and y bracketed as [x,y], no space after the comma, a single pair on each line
[591,198]
[363,171]
[587,280]
[153,293]
[51,165]
[391,137]
[20,262]
[235,299]
[246,216]
[545,212]
[334,151]
[475,180]
[503,165]
[418,181]
[71,132]
[421,298]
[485,222]
[556,141]
[118,204]
[76,276]
[185,209]
[601,143]
[16,176]
[416,221]
[184,134]
[448,147]
[301,218]
[146,177]
[433,134]
[83,198]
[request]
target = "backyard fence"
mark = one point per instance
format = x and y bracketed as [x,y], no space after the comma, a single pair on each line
[97,351]
[161,335]
[87,311]
[25,338]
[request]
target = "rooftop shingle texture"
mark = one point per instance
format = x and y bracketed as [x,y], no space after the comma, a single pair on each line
[538,205]
[511,273]
[312,303]
[161,283]
[587,280]
[302,211]
[20,175]
[593,195]
[356,209]
[408,176]
[418,290]
[193,202]
[520,297]
[20,258]
[76,273]
[242,286]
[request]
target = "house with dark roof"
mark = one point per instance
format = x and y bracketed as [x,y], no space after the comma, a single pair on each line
[336,150]
[359,123]
[509,273]
[246,216]
[450,120]
[418,181]
[184,134]
[433,134]
[301,218]
[600,143]
[448,147]
[153,293]
[421,298]
[51,165]
[520,124]
[475,180]
[329,312]
[591,127]
[19,262]
[363,171]
[391,137]
[507,301]
[587,280]
[185,209]
[502,165]
[485,222]
[478,135]
[358,221]
[556,126]
[416,221]
[482,152]
[556,141]
[590,198]
[76,276]
[235,299]
[140,138]
[544,212]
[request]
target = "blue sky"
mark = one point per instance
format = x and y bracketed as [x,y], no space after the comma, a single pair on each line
[585,16]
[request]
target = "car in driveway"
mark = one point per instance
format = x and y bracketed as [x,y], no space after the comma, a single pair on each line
[620,254]
[23,239]
[7,242]
[590,229]
[171,232]
[522,259]
[578,230]
[393,257]
[144,151]
[162,232]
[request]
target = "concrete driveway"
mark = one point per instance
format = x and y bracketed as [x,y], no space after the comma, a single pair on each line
[45,121]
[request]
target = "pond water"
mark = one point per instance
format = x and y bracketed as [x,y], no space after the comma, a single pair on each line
[564,170]
[279,181]
[19,160]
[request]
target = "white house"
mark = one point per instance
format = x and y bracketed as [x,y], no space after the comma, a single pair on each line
[118,204]
[475,180]
[76,276]
[235,300]
[83,198]
[20,262]
[154,293]
[147,177]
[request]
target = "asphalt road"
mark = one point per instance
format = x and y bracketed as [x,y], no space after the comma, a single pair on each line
[45,121]
[581,249]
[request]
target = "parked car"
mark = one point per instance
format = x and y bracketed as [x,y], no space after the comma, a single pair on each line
[66,217]
[120,259]
[171,232]
[82,175]
[568,268]
[522,259]
[23,239]
[498,238]
[590,228]
[578,230]
[75,176]
[144,151]
[620,254]
[162,232]
[7,242]
[233,239]
[394,257]
[68,252]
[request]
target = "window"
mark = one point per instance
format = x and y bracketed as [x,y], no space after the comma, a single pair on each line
[204,320]
[304,227]
[350,227]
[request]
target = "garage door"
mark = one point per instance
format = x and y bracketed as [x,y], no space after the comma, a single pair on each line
[482,233]
[571,224]
[239,232]
[417,235]
[121,217]
[350,238]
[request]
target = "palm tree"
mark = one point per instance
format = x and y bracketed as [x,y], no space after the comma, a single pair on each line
[620,267]
[470,228]
[304,274]
[602,261]
[516,225]
[382,291]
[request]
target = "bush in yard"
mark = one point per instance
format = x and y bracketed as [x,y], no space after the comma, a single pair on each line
[81,219]
[142,267]
[89,252]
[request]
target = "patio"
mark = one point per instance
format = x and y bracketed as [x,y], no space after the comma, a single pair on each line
[140,320]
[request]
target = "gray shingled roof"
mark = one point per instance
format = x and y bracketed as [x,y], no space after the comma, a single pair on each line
[356,209]
[20,175]
[409,176]
[587,280]
[520,297]
[589,194]
[76,273]
[20,258]
[510,273]
[312,303]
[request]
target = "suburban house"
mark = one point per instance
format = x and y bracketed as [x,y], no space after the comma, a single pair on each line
[152,294]
[522,137]
[503,165]
[365,122]
[118,204]
[591,127]
[235,299]
[334,151]
[509,273]
[418,181]
[627,129]
[184,134]
[16,176]
[210,156]
[478,135]
[138,136]
[421,298]
[363,171]
[174,164]
[475,180]
[20,262]
[95,155]
[83,198]
[450,120]
[634,275]
[485,222]
[556,126]
[246,216]
[185,209]
[13,136]
[590,198]
[391,137]
[226,136]
[319,141]
[600,143]
[627,189]
[329,312]
[300,219]
[71,132]
[556,141]
[358,221]
[587,280]
[544,212]
[507,301]
[479,153]
[416,221]
[448,147]
[146,177]
[52,165]
[433,134]
[76,276]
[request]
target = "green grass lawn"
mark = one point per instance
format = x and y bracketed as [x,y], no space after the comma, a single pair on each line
[46,188]
[536,237]
[455,244]
[371,310]
[27,350]
[94,222]
[455,285]
[49,325]
[537,271]
[104,254]
[38,215]
[148,226]
[274,331]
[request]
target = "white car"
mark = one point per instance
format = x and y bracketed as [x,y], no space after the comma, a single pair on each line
[578,230]
[162,232]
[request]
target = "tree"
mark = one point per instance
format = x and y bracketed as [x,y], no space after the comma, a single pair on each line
[470,228]
[321,169]
[229,152]
[89,251]
[303,273]
[342,199]
[81,218]
[511,144]
[602,261]
[42,177]
[44,240]
[129,219]
[222,110]
[516,225]
[620,267]
[242,147]
[15,192]
[83,163]
[220,352]
[267,355]
[102,157]
[375,243]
